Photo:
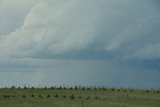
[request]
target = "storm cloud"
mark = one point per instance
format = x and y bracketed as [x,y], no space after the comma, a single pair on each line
[74,29]
[112,36]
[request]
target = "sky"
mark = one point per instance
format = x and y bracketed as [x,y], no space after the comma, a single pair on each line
[111,43]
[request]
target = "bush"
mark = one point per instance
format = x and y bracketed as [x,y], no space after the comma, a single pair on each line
[95,88]
[64,88]
[96,97]
[6,96]
[25,88]
[56,96]
[32,95]
[48,96]
[113,89]
[72,96]
[118,90]
[104,89]
[88,88]
[52,88]
[13,87]
[75,88]
[23,96]
[70,88]
[45,88]
[83,88]
[40,96]
[147,91]
[79,97]
[32,88]
[60,87]
[64,96]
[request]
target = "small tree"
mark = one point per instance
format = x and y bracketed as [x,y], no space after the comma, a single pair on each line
[64,88]
[23,96]
[79,97]
[118,90]
[6,96]
[25,87]
[83,88]
[32,88]
[75,88]
[56,96]
[70,88]
[72,96]
[96,97]
[13,87]
[32,95]
[64,96]
[52,88]
[40,96]
[45,88]
[48,96]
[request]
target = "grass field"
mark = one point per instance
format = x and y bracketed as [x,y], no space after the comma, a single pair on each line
[73,97]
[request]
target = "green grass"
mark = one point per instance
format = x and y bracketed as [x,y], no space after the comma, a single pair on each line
[75,98]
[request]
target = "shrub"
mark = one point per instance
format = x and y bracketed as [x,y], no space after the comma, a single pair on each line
[95,88]
[88,88]
[70,88]
[52,88]
[32,95]
[104,89]
[75,88]
[130,90]
[96,97]
[72,96]
[25,88]
[32,88]
[113,89]
[79,97]
[45,88]
[60,87]
[83,88]
[6,96]
[23,96]
[147,91]
[56,96]
[40,96]
[118,90]
[48,96]
[13,87]
[124,90]
[64,96]
[64,88]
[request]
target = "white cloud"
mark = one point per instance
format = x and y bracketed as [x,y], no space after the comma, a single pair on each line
[59,27]
[12,14]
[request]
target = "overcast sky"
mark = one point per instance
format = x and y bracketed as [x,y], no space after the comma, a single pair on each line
[80,42]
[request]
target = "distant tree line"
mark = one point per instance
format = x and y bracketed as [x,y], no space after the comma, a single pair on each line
[85,88]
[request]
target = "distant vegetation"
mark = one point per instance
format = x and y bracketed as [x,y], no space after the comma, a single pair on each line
[78,96]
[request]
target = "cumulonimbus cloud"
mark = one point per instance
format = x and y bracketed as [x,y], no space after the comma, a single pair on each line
[79,28]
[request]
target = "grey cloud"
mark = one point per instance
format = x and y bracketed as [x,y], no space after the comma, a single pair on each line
[12,14]
[81,29]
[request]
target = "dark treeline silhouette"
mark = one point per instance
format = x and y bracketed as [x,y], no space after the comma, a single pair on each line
[85,88]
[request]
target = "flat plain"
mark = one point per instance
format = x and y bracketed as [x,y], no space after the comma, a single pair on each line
[78,97]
